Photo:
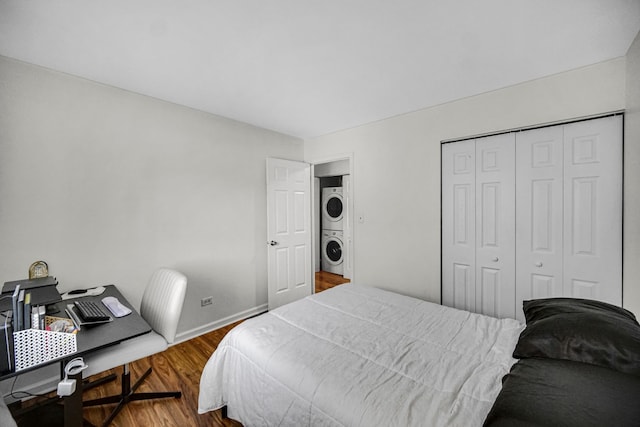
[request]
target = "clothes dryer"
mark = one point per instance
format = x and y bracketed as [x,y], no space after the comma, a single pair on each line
[332,208]
[332,251]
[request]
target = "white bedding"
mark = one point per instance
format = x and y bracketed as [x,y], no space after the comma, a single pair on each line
[360,356]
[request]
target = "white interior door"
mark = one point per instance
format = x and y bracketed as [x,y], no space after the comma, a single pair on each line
[288,231]
[495,225]
[593,209]
[539,200]
[458,225]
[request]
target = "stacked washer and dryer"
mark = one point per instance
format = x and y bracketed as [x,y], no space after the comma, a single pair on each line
[333,212]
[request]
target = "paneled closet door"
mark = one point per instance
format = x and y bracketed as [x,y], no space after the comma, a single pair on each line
[533,214]
[539,221]
[495,225]
[593,209]
[458,225]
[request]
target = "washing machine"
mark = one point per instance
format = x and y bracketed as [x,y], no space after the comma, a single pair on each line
[332,251]
[332,208]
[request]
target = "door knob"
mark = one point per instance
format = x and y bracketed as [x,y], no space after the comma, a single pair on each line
[538,264]
[273,243]
[495,259]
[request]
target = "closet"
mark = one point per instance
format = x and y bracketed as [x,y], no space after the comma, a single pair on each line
[533,214]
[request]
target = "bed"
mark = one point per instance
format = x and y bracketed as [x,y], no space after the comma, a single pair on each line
[360,356]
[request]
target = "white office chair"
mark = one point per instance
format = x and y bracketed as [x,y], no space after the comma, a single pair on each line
[161,307]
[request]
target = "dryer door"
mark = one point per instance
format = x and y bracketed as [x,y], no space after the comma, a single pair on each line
[333,207]
[333,251]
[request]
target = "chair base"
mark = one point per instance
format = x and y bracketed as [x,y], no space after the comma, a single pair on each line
[128,394]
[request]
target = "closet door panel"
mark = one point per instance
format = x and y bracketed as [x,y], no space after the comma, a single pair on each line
[539,214]
[533,214]
[458,225]
[495,225]
[593,209]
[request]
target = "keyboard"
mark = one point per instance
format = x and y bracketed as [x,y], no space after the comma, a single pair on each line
[89,311]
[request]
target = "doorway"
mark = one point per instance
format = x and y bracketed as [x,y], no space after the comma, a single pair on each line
[332,209]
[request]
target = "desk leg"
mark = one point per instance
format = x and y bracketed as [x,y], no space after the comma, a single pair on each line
[73,404]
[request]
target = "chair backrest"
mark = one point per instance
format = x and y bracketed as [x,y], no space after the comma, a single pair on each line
[162,302]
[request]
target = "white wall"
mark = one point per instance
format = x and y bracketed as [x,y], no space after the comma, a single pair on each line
[631,248]
[397,167]
[106,186]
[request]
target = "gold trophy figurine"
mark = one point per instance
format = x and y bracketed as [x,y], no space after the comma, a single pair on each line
[38,269]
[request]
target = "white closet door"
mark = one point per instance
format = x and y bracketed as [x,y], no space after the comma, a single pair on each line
[495,225]
[593,209]
[534,214]
[539,187]
[458,225]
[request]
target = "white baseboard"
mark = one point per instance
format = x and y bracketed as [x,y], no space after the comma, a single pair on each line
[209,327]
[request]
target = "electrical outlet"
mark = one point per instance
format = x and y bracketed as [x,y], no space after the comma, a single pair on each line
[206,301]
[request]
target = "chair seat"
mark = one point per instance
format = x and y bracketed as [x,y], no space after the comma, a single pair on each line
[123,353]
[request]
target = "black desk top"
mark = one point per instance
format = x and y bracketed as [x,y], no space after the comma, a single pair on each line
[92,338]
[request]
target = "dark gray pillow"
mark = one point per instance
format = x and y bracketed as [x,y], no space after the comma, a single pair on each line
[560,393]
[581,330]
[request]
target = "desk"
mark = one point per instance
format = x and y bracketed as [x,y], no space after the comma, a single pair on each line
[92,338]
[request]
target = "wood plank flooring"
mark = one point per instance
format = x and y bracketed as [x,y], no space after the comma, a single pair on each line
[326,280]
[177,368]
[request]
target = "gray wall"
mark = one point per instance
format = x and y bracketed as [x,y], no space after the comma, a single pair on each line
[106,186]
[397,169]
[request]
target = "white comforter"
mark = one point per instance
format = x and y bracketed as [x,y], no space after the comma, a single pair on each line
[360,356]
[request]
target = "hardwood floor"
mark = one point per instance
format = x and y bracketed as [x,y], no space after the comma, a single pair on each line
[326,280]
[177,368]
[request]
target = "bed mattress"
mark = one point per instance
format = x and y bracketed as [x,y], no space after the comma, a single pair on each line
[360,356]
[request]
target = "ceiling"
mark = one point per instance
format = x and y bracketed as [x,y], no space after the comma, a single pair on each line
[308,68]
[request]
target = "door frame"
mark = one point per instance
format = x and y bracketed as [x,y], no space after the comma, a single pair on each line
[315,221]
